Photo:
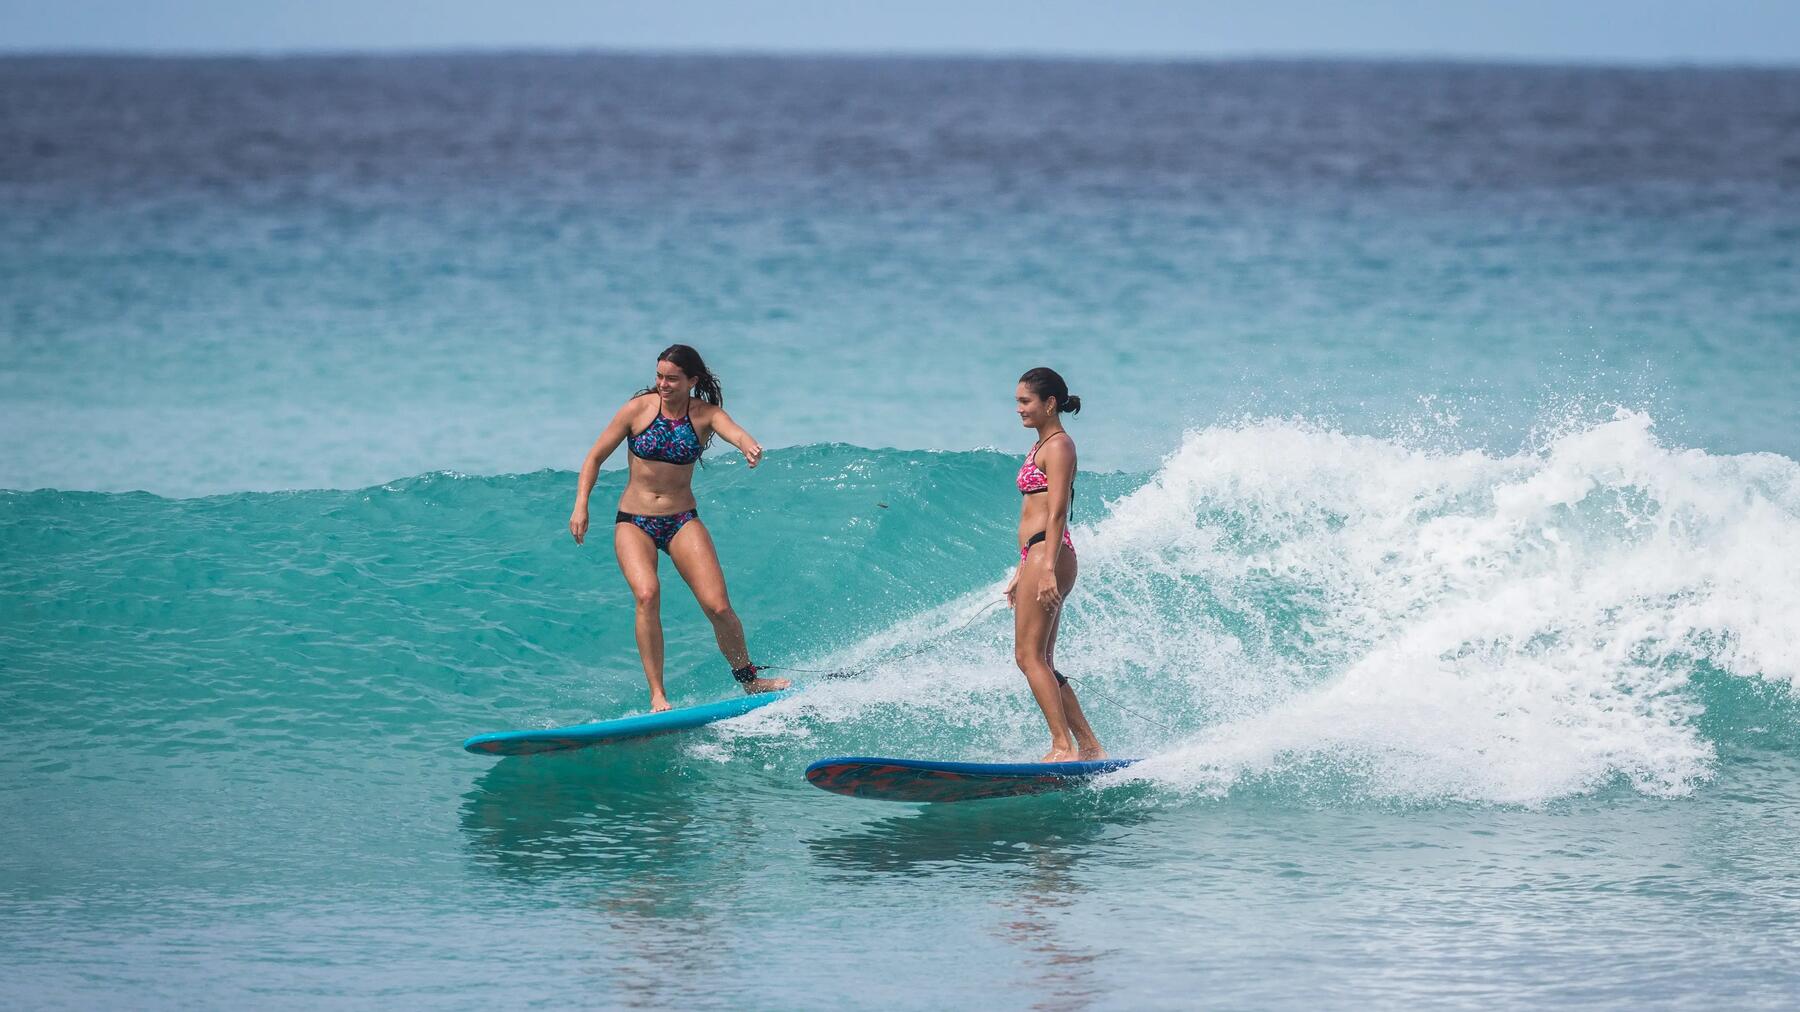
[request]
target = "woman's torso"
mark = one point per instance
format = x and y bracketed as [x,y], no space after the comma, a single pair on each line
[1034,489]
[662,450]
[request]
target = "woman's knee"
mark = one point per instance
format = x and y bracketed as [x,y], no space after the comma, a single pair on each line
[1027,659]
[648,597]
[716,608]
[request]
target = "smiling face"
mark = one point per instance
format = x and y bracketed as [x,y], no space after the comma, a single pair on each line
[671,382]
[1034,411]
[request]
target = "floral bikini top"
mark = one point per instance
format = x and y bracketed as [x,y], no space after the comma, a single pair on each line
[1032,478]
[670,440]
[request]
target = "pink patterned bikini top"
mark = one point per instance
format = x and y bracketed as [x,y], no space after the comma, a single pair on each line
[1032,478]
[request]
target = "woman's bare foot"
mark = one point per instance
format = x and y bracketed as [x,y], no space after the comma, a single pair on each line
[659,703]
[1092,753]
[756,685]
[1059,755]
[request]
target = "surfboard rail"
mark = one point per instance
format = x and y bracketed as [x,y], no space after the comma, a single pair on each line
[643,725]
[932,781]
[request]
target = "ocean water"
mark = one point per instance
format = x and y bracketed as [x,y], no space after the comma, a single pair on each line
[1439,532]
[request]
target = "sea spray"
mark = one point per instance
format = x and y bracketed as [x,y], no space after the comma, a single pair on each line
[1459,625]
[1411,624]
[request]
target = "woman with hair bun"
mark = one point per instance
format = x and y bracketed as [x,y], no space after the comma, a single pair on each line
[667,426]
[1047,562]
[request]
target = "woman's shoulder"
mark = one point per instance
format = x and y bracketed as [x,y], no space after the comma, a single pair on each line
[638,406]
[1060,446]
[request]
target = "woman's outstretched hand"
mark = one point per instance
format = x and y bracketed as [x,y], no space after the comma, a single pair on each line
[578,525]
[753,453]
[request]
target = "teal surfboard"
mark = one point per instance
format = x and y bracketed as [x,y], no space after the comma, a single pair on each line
[556,739]
[930,780]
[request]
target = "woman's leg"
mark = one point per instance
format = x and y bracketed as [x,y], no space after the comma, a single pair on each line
[698,563]
[637,560]
[1031,640]
[1086,742]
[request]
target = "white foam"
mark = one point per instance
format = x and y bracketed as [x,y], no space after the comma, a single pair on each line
[958,673]
[1298,603]
[1497,628]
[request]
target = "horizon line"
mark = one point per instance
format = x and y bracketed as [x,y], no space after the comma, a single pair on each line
[920,54]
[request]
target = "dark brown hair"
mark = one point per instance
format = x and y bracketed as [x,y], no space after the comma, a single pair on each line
[1046,383]
[685,358]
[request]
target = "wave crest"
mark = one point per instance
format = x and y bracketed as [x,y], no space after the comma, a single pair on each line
[1451,625]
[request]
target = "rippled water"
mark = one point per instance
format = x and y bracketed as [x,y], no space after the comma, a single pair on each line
[1439,530]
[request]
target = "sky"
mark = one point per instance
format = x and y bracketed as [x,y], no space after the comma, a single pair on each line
[1607,31]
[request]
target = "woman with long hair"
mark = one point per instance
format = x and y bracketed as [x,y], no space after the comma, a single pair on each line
[667,426]
[1047,567]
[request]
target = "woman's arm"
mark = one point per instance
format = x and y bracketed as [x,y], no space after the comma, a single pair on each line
[1057,461]
[616,432]
[733,433]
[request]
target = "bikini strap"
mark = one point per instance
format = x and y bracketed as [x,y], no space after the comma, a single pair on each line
[1034,450]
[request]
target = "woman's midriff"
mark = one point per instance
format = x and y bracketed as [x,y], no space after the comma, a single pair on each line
[657,488]
[1034,516]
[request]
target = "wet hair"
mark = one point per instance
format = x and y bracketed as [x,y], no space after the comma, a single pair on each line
[1045,382]
[706,385]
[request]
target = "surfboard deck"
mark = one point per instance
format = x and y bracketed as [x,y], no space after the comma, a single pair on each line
[926,780]
[557,739]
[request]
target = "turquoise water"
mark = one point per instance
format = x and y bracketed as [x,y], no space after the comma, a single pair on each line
[1439,536]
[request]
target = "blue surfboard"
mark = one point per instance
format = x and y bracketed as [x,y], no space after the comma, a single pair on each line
[929,780]
[556,739]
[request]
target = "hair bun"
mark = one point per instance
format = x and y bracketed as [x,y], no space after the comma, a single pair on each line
[1046,384]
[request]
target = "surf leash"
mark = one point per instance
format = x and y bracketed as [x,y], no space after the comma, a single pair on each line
[1122,706]
[859,672]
